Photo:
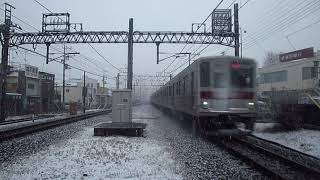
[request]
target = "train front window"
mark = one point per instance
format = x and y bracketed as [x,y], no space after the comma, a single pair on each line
[220,80]
[242,77]
[205,74]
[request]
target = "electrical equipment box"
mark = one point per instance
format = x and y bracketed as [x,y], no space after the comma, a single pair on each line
[121,105]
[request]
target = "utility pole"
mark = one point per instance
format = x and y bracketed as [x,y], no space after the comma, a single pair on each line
[84,92]
[103,83]
[65,56]
[236,30]
[63,77]
[117,80]
[130,62]
[4,60]
[241,42]
[130,54]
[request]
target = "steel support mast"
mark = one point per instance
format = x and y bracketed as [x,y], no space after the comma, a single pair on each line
[236,30]
[4,60]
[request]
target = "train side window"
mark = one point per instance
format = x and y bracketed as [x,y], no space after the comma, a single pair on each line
[184,86]
[177,88]
[205,74]
[173,86]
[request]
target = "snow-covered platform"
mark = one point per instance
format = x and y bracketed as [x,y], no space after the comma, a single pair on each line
[303,140]
[119,128]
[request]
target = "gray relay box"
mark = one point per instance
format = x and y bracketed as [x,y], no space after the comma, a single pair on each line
[121,105]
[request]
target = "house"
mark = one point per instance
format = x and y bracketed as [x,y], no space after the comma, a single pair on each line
[74,91]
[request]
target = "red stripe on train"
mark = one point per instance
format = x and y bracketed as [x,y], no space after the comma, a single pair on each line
[231,95]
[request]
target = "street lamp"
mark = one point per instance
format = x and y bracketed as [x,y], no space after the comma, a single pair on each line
[244,31]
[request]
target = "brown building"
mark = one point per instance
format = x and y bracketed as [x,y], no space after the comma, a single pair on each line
[16,94]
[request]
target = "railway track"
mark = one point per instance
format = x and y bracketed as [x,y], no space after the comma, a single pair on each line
[311,126]
[278,160]
[13,121]
[38,126]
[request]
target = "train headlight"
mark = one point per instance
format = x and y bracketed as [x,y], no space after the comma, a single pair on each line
[205,103]
[251,103]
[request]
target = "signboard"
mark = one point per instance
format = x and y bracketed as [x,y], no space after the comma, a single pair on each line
[221,21]
[32,71]
[302,53]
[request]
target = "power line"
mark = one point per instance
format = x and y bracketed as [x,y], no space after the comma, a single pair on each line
[87,43]
[195,32]
[22,21]
[284,23]
[39,31]
[88,59]
[103,57]
[306,27]
[59,61]
[206,45]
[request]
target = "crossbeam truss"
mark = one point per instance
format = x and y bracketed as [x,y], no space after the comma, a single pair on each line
[225,39]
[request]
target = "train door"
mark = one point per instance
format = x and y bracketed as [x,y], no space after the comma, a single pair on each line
[192,90]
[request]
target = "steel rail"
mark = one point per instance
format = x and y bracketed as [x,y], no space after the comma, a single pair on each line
[13,121]
[281,161]
[38,126]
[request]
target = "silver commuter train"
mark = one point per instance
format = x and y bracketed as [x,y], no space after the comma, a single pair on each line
[216,91]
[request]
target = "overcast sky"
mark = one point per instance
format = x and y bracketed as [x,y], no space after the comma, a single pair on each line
[266,22]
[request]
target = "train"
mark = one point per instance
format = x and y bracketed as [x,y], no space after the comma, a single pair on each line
[216,92]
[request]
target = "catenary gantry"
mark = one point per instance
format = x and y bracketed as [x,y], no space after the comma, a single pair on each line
[226,39]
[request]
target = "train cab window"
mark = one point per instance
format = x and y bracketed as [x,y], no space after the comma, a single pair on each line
[220,80]
[205,74]
[242,77]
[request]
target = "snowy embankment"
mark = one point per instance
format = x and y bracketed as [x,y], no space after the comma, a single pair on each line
[303,140]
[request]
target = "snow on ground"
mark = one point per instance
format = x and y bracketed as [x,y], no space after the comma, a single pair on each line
[307,141]
[87,157]
[97,158]
[168,151]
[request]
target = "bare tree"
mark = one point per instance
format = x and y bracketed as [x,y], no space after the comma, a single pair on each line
[271,58]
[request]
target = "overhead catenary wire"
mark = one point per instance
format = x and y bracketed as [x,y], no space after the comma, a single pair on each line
[205,46]
[89,72]
[287,17]
[195,32]
[87,43]
[195,52]
[33,27]
[285,23]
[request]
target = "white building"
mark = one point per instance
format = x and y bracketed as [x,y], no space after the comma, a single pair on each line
[74,91]
[295,73]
